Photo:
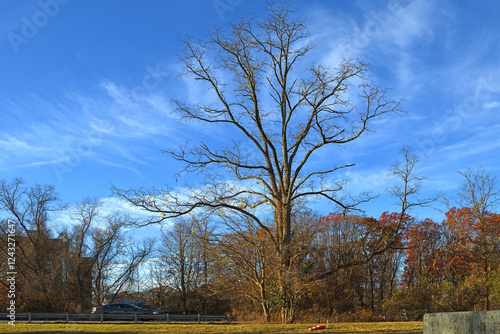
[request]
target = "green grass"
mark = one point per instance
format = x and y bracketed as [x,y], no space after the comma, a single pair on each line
[346,328]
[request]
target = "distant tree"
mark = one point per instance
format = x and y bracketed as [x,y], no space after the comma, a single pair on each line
[30,206]
[339,248]
[39,260]
[347,244]
[420,285]
[115,257]
[473,248]
[102,255]
[159,279]
[92,257]
[476,223]
[183,264]
[203,234]
[244,257]
[453,266]
[383,269]
[424,239]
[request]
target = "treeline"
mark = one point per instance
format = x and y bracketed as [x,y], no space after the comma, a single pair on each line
[64,268]
[342,266]
[432,267]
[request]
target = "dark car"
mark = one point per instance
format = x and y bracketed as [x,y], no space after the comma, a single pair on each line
[120,308]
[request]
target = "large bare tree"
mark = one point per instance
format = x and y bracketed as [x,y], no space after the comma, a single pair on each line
[282,110]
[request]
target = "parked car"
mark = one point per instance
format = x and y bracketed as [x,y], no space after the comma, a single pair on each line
[120,308]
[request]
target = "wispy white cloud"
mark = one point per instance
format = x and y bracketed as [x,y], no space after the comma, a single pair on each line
[390,29]
[411,24]
[115,204]
[491,105]
[373,181]
[93,127]
[478,148]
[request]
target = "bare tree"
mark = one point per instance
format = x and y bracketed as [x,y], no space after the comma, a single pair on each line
[479,192]
[104,257]
[182,259]
[115,257]
[81,255]
[29,206]
[406,192]
[158,276]
[245,256]
[376,237]
[38,256]
[285,111]
[203,233]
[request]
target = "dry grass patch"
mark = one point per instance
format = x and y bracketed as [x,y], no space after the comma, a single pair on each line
[345,328]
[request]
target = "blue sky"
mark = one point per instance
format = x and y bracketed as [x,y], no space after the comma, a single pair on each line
[85,88]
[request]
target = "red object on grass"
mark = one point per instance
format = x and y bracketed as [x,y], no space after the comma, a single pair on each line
[320,326]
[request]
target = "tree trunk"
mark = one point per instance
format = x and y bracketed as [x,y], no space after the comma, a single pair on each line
[264,303]
[288,314]
[486,287]
[282,219]
[265,309]
[372,287]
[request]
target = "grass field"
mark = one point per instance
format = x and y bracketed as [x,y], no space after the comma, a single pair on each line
[346,328]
